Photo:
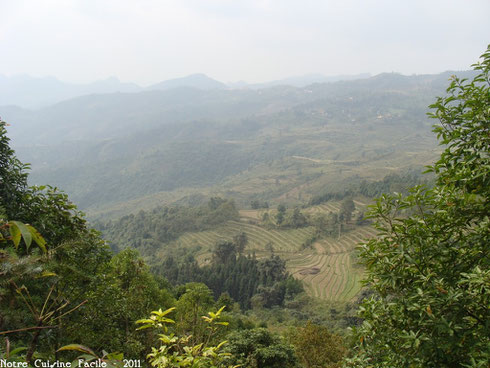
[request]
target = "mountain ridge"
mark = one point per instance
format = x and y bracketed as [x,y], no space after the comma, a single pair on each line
[197,80]
[123,151]
[37,92]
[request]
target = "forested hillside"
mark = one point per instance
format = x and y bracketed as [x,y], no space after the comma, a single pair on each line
[281,144]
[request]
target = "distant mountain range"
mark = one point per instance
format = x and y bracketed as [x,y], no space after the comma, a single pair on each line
[301,81]
[119,152]
[33,92]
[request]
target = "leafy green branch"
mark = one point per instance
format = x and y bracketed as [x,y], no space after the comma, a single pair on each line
[177,351]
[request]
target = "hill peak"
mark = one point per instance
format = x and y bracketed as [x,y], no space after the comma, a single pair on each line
[198,80]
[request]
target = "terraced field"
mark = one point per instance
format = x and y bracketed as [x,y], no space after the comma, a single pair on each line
[253,215]
[259,239]
[326,269]
[329,272]
[334,206]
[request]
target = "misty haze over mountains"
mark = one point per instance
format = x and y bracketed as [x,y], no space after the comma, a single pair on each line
[169,142]
[35,92]
[98,111]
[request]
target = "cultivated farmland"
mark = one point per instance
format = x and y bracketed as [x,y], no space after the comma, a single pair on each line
[327,269]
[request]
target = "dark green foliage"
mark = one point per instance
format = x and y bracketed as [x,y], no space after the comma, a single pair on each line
[346,208]
[75,291]
[308,244]
[241,277]
[225,300]
[430,271]
[316,347]
[399,183]
[245,277]
[224,252]
[281,211]
[329,196]
[284,218]
[165,167]
[36,302]
[269,247]
[13,176]
[297,219]
[326,224]
[191,305]
[269,296]
[47,209]
[259,348]
[391,183]
[279,218]
[126,291]
[347,205]
[51,211]
[292,287]
[240,241]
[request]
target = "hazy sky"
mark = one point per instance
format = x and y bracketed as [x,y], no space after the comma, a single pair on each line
[146,41]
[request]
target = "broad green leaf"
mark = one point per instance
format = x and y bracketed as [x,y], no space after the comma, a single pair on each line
[144,327]
[145,321]
[77,347]
[15,233]
[26,234]
[16,351]
[161,314]
[46,274]
[166,320]
[37,237]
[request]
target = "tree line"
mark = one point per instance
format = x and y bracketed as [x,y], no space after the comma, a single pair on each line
[246,279]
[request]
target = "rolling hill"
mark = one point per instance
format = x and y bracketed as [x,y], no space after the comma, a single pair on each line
[117,153]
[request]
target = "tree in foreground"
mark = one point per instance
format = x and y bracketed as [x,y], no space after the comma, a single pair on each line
[259,348]
[180,351]
[316,347]
[173,350]
[68,288]
[429,266]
